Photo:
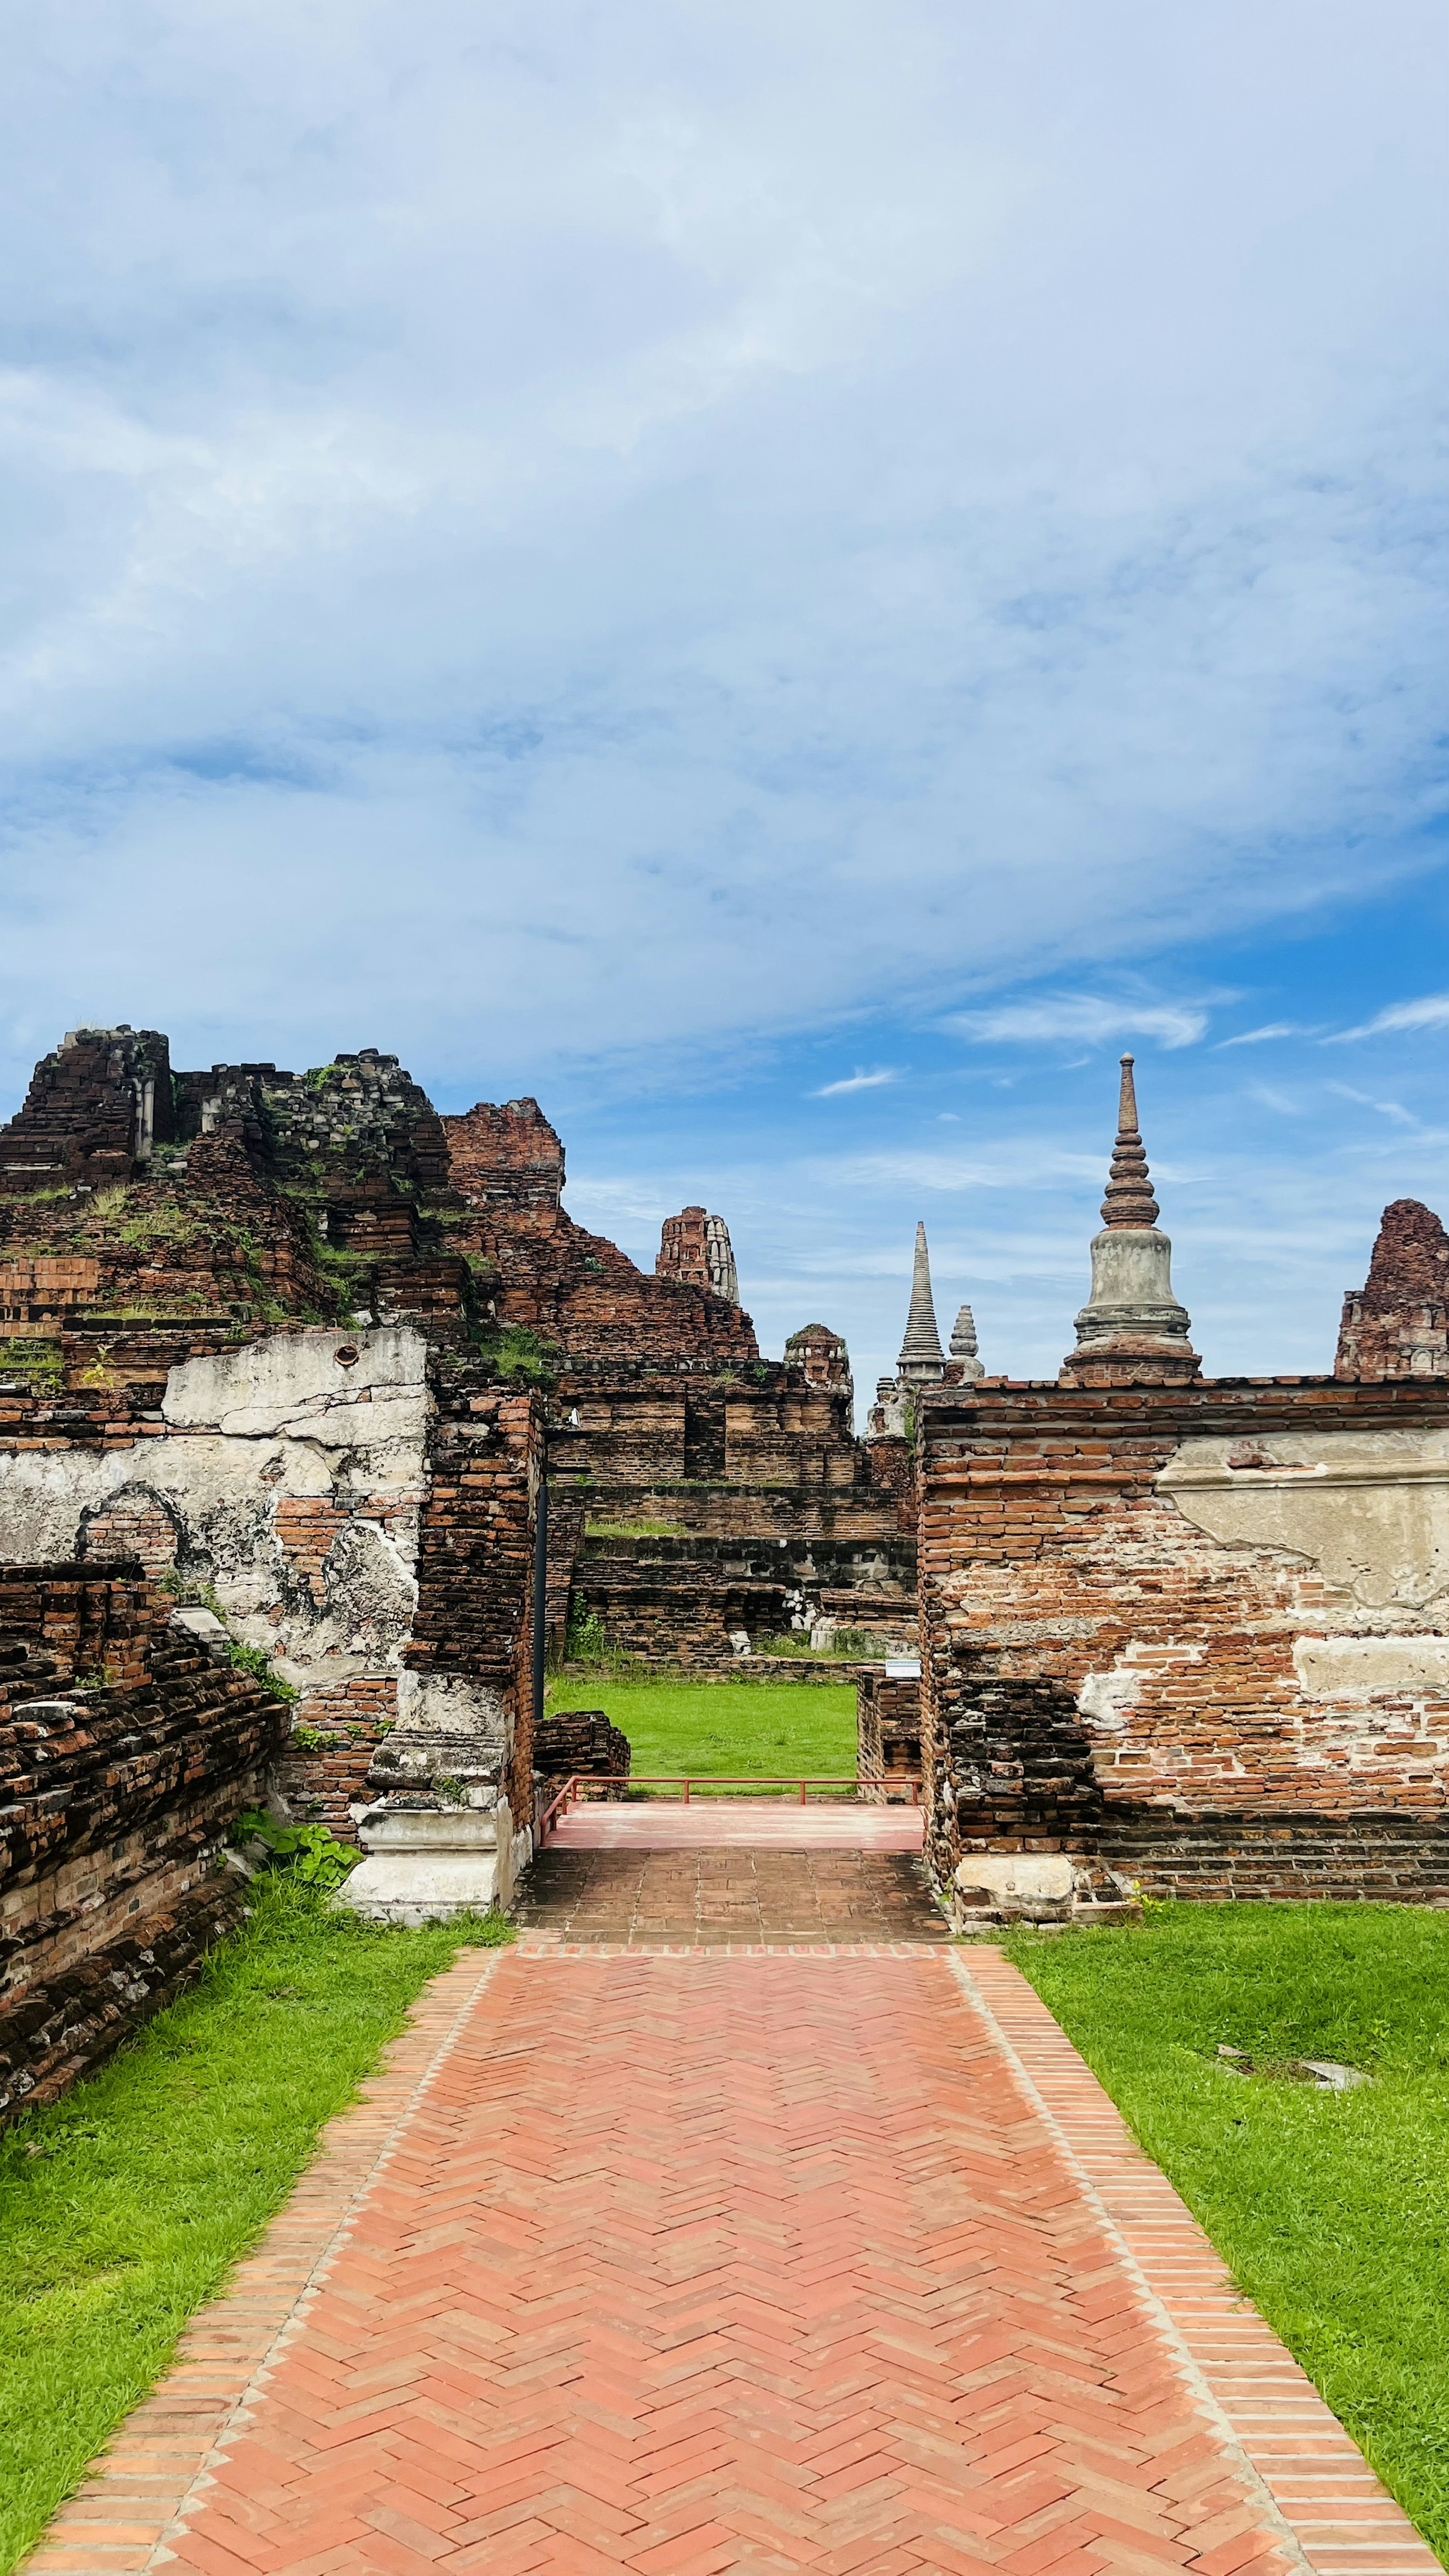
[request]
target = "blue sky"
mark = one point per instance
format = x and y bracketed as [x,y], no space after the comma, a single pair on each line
[682,559]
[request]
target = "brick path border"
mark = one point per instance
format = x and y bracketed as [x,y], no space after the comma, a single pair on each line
[1319,2483]
[136,2492]
[1327,2504]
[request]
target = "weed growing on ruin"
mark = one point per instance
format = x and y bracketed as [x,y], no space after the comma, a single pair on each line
[311,1853]
[1331,2209]
[255,1662]
[165,1224]
[517,1352]
[123,2207]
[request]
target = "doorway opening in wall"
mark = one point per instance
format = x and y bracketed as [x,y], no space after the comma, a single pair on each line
[761,1730]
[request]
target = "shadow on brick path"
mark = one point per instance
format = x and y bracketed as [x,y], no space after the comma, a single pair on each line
[709,1897]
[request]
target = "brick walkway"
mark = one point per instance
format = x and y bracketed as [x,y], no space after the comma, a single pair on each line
[728,1896]
[685,2264]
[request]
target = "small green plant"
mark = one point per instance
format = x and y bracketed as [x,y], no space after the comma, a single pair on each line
[40,1360]
[161,1225]
[255,1660]
[517,1352]
[311,1853]
[588,1638]
[451,1791]
[308,1739]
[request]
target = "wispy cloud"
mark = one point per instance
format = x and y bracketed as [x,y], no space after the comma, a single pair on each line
[1430,1012]
[1256,1037]
[1386,1108]
[856,1082]
[1069,1018]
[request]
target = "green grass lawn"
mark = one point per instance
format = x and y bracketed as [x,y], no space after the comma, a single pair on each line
[1332,2210]
[701,1727]
[123,2206]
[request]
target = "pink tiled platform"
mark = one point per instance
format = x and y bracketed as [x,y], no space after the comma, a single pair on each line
[765,1824]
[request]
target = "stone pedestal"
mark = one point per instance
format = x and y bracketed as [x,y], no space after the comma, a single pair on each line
[1044,1888]
[425,1864]
[441,1840]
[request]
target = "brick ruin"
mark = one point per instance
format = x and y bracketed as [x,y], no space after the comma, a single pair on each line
[287,1361]
[127,1750]
[1184,1634]
[294,1350]
[1397,1324]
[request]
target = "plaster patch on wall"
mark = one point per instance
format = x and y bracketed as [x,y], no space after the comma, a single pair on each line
[1109,1698]
[1370,1509]
[294,1481]
[1361,1668]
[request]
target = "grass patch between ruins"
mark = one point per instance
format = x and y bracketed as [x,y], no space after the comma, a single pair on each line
[704,1727]
[155,2174]
[1332,2210]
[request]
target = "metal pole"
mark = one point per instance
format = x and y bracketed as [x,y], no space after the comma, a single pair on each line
[540,1586]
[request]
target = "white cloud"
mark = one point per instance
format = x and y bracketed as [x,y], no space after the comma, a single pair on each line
[544,533]
[1067,1018]
[1432,1012]
[1256,1037]
[854,1082]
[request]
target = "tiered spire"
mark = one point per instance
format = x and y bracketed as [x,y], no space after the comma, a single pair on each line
[1131,1330]
[921,1354]
[1129,1199]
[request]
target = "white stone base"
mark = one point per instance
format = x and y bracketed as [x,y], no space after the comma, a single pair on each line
[427,1865]
[1044,1888]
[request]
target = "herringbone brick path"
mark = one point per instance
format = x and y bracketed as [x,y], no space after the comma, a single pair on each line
[685,2264]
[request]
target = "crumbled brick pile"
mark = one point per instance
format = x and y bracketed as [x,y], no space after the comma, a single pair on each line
[580,1743]
[1397,1324]
[125,1753]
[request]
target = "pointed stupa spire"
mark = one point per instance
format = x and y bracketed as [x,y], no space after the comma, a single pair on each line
[1129,1199]
[1132,1329]
[921,1356]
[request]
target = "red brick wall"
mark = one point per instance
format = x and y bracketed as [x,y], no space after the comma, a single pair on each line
[114,1802]
[1048,1555]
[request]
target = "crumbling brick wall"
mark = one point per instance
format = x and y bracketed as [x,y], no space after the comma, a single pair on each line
[887,1722]
[1397,1324]
[126,1751]
[682,1601]
[581,1744]
[474,1616]
[1156,1618]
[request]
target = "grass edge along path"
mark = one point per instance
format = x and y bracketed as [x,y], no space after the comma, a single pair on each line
[124,2206]
[1331,2211]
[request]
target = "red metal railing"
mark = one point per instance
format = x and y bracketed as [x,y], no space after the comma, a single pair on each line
[583,1785]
